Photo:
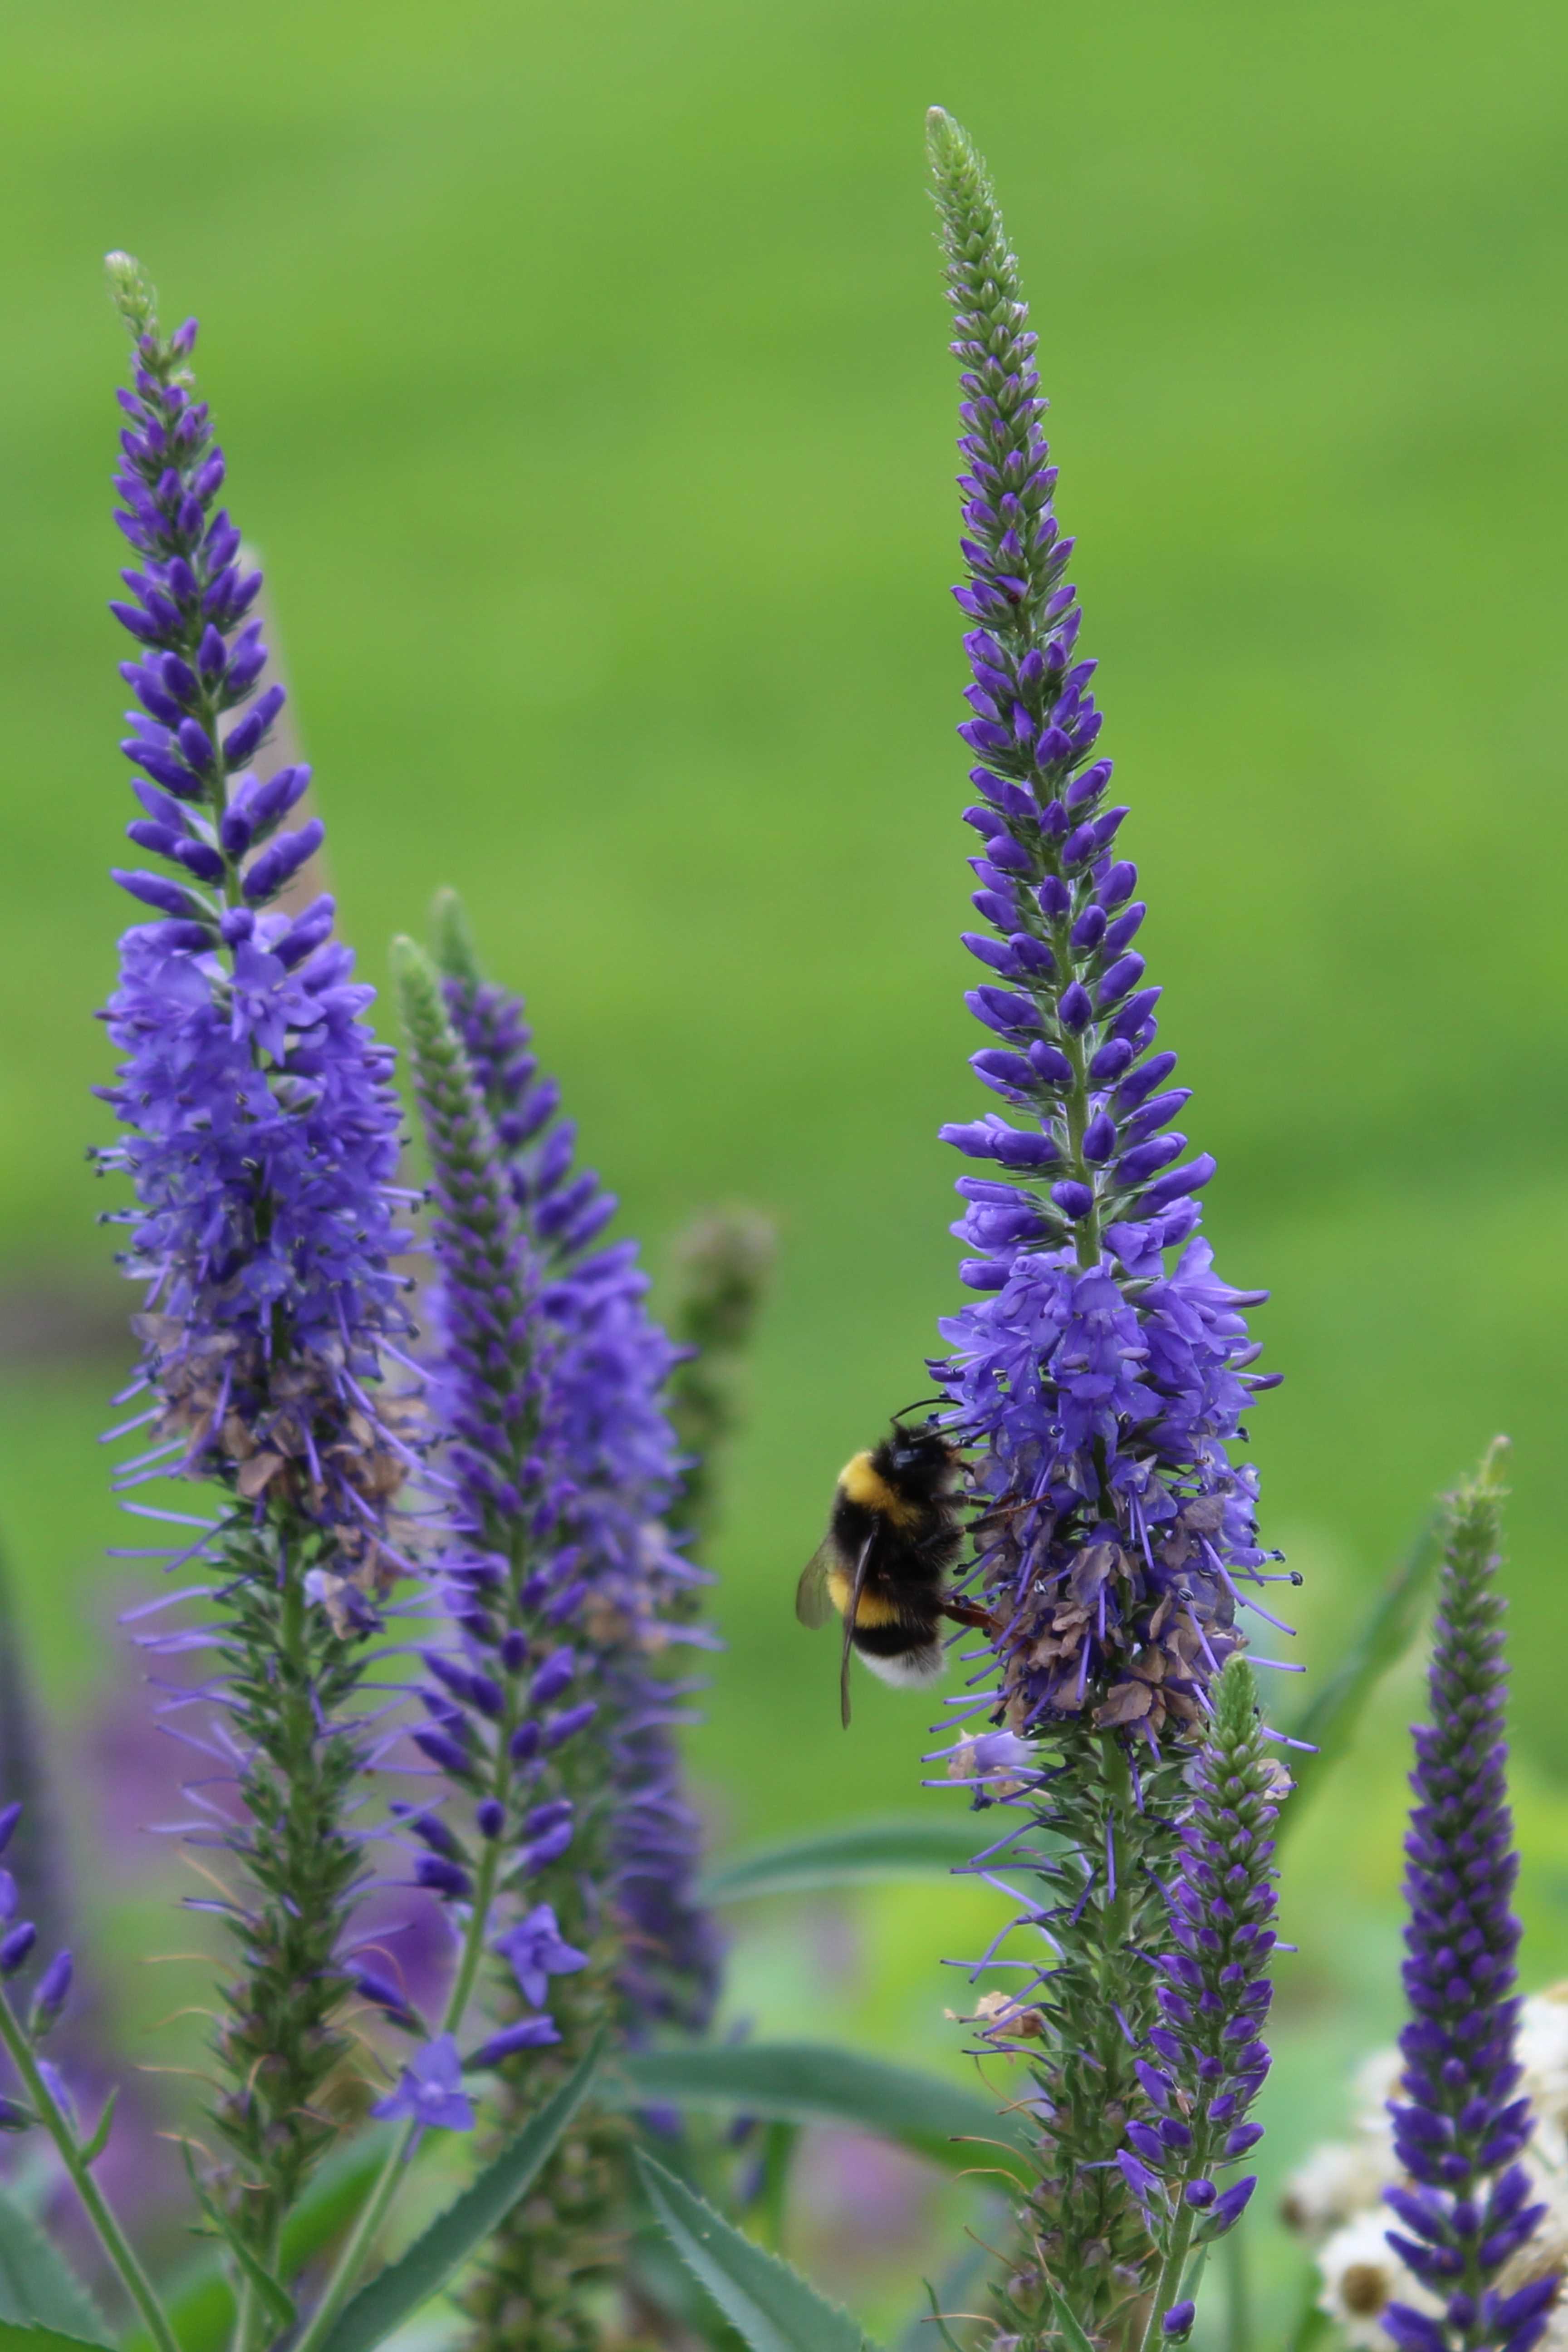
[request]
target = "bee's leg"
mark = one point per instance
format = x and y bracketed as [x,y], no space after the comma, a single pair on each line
[970,1613]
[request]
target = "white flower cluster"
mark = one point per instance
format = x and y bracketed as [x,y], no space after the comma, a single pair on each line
[1335,2198]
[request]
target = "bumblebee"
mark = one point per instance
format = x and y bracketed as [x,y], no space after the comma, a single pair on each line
[882,1565]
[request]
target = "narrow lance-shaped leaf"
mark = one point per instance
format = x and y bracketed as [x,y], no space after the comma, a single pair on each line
[804,2081]
[768,2303]
[860,1855]
[38,2285]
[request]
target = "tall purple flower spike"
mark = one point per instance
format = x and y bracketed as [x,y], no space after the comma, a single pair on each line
[1099,1377]
[261,1124]
[260,1141]
[1460,2126]
[606,1433]
[1104,1387]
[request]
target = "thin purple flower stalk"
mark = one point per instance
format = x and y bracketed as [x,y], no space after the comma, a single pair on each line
[608,1431]
[1101,1373]
[1459,2126]
[1209,2059]
[261,1143]
[616,1939]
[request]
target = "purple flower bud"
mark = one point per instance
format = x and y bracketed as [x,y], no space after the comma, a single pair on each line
[529,2034]
[1231,2204]
[514,1650]
[154,892]
[445,1753]
[489,1817]
[386,1995]
[1176,2324]
[1100,1138]
[540,1852]
[571,1719]
[1108,1062]
[552,1677]
[1074,1200]
[1049,1063]
[52,1993]
[524,1743]
[1076,1009]
[1124,973]
[15,2118]
[195,745]
[443,1878]
[242,741]
[1008,1074]
[15,1946]
[281,860]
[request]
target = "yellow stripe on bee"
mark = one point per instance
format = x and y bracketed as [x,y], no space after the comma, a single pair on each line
[873,1610]
[862,1484]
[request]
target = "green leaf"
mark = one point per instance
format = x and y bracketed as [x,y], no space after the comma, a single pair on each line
[807,2082]
[856,1856]
[406,2285]
[276,2301]
[199,2300]
[15,2338]
[960,2282]
[102,2129]
[1067,2321]
[37,2285]
[1328,1723]
[769,2304]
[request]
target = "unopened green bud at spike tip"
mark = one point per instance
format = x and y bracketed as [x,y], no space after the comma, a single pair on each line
[457,956]
[131,291]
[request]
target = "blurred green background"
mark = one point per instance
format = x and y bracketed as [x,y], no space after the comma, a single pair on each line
[582,373]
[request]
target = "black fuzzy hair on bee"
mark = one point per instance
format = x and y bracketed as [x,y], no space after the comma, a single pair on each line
[892,1535]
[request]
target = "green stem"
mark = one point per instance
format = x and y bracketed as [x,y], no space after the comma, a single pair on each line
[115,2243]
[1169,2287]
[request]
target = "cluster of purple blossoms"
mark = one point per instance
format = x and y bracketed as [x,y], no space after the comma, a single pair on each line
[1459,2126]
[261,1122]
[1104,1386]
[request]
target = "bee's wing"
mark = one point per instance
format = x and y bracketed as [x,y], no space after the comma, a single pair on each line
[850,1614]
[812,1601]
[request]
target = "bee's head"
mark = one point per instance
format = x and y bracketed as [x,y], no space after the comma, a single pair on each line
[924,1456]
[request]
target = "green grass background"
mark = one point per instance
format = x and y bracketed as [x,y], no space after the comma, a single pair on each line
[582,373]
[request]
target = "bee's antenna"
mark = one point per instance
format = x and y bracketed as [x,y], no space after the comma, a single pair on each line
[917,1404]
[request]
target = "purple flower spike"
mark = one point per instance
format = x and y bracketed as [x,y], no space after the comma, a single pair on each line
[260,1139]
[429,2090]
[1105,1384]
[1098,1381]
[1460,2126]
[603,1428]
[1213,1988]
